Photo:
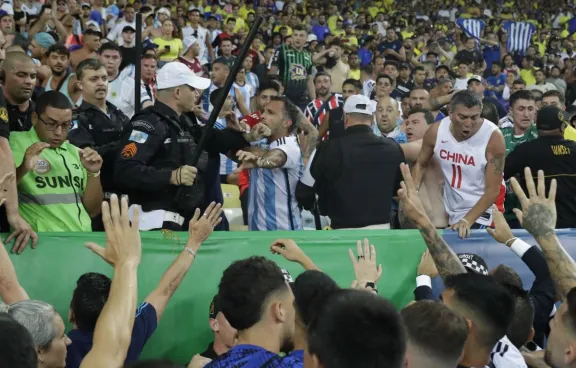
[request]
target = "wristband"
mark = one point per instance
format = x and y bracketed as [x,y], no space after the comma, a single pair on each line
[371,285]
[191,251]
[93,175]
[510,241]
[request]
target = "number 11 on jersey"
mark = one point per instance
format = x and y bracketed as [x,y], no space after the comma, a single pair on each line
[456,176]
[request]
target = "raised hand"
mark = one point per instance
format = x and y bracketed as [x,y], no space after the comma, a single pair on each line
[412,205]
[32,155]
[288,249]
[247,160]
[427,266]
[259,131]
[501,232]
[123,243]
[91,160]
[538,214]
[200,227]
[364,263]
[6,181]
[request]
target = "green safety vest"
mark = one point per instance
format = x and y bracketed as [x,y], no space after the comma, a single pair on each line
[50,195]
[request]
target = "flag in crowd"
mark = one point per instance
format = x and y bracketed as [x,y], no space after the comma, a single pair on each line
[472,27]
[519,35]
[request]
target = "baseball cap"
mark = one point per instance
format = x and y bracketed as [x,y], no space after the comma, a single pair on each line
[148,45]
[475,78]
[188,42]
[44,39]
[164,11]
[473,263]
[215,307]
[359,104]
[86,5]
[94,24]
[128,29]
[312,37]
[550,118]
[176,74]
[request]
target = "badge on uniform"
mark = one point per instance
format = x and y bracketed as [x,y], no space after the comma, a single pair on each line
[138,136]
[3,114]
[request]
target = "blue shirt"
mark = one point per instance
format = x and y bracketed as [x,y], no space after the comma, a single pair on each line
[491,54]
[440,116]
[365,56]
[320,31]
[497,81]
[144,326]
[251,356]
[295,358]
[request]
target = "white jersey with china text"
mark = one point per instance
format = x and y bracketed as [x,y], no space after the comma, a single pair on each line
[463,165]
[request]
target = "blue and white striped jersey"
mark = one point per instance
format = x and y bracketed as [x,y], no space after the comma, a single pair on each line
[271,201]
[227,166]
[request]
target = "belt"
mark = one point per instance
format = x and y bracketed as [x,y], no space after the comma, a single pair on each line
[173,217]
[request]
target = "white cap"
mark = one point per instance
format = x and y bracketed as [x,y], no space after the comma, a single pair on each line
[188,42]
[359,104]
[476,78]
[176,74]
[163,11]
[93,23]
[312,37]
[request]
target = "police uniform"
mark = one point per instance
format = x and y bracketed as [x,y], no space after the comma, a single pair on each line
[95,129]
[554,155]
[157,142]
[355,176]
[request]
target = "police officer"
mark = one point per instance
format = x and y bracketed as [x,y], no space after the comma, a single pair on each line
[553,154]
[18,80]
[356,175]
[153,166]
[98,123]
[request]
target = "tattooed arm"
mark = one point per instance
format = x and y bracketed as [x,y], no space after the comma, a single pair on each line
[311,134]
[495,155]
[446,260]
[538,217]
[272,159]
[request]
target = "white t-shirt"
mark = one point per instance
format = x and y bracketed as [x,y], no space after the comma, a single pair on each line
[506,355]
[461,84]
[200,35]
[126,101]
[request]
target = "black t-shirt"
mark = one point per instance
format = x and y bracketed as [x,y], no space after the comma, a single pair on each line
[393,45]
[12,119]
[470,57]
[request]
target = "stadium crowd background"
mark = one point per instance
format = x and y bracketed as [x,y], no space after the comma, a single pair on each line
[68,94]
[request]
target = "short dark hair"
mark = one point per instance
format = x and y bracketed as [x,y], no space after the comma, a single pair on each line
[230,20]
[443,67]
[109,46]
[87,64]
[53,99]
[16,345]
[89,298]
[488,304]
[291,111]
[245,288]
[426,320]
[322,74]
[357,328]
[523,318]
[391,62]
[569,318]
[522,94]
[353,82]
[385,76]
[490,112]
[465,98]
[428,116]
[418,69]
[268,84]
[58,49]
[555,93]
[311,289]
[519,81]
[504,274]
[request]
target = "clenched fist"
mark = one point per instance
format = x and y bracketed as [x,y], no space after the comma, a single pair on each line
[184,175]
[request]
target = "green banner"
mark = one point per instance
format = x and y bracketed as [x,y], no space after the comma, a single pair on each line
[49,273]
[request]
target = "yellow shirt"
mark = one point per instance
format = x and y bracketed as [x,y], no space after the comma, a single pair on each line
[288,28]
[240,23]
[332,22]
[354,74]
[338,33]
[175,48]
[570,133]
[350,41]
[527,76]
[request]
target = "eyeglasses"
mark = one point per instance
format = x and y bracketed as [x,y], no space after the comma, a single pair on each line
[53,126]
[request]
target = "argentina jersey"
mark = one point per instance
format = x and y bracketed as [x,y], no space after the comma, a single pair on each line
[227,166]
[271,200]
[251,356]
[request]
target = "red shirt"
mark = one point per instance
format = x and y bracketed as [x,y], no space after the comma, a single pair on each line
[195,65]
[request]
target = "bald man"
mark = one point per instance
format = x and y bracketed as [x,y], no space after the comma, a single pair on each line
[387,114]
[15,113]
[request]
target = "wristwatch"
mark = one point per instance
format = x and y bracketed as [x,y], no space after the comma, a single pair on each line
[371,285]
